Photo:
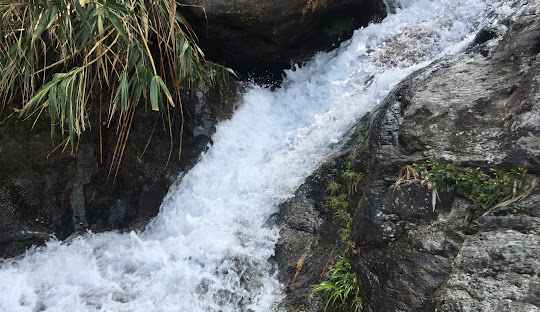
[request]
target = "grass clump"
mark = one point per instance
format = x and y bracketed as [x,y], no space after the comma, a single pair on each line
[485,188]
[352,178]
[342,288]
[62,56]
[333,188]
[340,205]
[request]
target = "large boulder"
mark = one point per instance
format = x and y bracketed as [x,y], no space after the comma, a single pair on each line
[478,108]
[267,35]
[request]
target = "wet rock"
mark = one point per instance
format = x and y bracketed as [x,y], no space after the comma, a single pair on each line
[306,246]
[478,108]
[46,194]
[309,242]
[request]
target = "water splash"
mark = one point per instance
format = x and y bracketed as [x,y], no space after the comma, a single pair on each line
[209,247]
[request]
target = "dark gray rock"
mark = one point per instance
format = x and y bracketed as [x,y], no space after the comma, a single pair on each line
[307,244]
[46,194]
[267,35]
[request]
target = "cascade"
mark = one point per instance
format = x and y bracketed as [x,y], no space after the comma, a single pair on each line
[210,245]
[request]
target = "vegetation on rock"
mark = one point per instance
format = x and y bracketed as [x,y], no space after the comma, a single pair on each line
[343,287]
[63,56]
[485,188]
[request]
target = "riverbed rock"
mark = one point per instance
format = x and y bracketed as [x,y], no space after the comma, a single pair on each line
[267,35]
[478,108]
[309,242]
[497,268]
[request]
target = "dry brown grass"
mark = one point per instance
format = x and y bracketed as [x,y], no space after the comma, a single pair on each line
[314,5]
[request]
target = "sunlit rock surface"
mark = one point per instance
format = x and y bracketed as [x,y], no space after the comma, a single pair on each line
[478,108]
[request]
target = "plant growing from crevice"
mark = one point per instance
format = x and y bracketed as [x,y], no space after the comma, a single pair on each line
[62,56]
[342,288]
[352,178]
[488,189]
[340,206]
[333,188]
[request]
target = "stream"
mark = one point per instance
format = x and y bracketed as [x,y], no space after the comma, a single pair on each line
[210,246]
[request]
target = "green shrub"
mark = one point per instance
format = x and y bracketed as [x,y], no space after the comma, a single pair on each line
[487,190]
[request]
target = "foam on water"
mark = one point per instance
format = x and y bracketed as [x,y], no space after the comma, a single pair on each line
[209,247]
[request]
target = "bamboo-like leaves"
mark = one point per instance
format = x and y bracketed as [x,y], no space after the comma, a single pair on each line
[154,94]
[343,287]
[51,50]
[64,96]
[46,20]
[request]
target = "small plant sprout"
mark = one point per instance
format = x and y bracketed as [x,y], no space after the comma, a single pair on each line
[352,178]
[338,203]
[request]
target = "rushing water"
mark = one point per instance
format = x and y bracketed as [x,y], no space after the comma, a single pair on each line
[209,247]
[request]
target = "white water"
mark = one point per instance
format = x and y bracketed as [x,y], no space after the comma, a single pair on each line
[209,247]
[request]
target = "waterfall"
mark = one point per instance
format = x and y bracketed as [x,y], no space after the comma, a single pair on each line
[210,245]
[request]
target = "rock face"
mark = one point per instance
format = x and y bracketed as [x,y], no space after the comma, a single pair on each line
[479,108]
[267,35]
[46,194]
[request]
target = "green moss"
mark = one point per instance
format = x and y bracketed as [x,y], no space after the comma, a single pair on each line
[339,27]
[26,124]
[250,20]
